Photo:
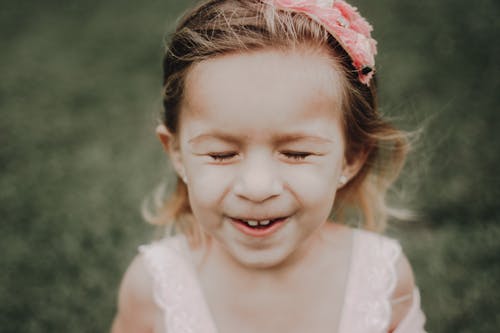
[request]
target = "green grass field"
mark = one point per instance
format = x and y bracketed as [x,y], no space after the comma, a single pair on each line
[80,97]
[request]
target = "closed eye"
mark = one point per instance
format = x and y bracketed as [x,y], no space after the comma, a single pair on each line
[296,155]
[222,156]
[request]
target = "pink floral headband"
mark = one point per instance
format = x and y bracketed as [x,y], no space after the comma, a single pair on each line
[344,23]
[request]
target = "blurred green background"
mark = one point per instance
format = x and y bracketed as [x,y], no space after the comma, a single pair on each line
[79,98]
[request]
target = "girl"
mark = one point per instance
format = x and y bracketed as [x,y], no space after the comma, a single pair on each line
[272,127]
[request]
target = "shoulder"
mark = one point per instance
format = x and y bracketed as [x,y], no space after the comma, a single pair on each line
[402,297]
[376,248]
[136,307]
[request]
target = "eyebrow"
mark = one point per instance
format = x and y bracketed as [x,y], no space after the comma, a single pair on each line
[280,139]
[302,136]
[214,135]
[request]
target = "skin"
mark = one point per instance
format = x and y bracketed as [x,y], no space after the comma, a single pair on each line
[261,137]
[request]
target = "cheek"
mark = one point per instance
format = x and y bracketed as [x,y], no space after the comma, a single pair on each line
[207,185]
[316,185]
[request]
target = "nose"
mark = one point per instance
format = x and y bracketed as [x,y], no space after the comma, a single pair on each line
[258,180]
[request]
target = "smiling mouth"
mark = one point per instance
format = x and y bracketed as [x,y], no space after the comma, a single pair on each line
[259,224]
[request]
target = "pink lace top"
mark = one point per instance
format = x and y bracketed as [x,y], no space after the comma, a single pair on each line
[367,308]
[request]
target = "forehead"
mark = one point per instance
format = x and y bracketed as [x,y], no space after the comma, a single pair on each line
[279,88]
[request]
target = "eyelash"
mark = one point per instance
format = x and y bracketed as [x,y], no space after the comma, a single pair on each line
[293,155]
[222,157]
[297,155]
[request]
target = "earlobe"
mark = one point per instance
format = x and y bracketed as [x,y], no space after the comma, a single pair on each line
[171,146]
[343,180]
[350,169]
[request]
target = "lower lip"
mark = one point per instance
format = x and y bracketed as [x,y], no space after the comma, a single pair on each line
[258,232]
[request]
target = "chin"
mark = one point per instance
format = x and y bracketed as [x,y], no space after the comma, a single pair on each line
[261,258]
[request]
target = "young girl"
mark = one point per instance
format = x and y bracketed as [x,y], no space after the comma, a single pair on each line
[271,124]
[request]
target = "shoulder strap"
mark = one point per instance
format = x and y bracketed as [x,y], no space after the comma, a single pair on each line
[371,282]
[175,287]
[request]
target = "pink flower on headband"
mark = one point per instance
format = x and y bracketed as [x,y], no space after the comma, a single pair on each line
[348,27]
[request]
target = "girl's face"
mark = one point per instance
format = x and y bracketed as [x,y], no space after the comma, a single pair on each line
[260,142]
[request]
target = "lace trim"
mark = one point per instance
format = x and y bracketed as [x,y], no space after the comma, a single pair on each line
[372,281]
[367,308]
[175,288]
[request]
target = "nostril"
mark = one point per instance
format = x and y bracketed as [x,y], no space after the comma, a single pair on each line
[258,190]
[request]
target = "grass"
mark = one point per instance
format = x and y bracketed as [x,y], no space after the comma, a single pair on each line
[79,98]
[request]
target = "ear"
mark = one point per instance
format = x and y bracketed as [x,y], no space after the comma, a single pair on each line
[172,147]
[351,167]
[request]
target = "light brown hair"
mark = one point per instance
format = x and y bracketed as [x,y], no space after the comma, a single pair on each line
[218,27]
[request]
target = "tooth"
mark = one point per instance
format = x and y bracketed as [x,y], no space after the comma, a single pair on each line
[265,222]
[253,223]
